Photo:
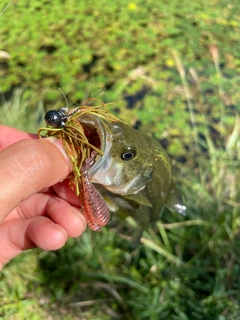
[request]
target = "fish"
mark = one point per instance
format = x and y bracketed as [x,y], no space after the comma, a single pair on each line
[125,171]
[134,174]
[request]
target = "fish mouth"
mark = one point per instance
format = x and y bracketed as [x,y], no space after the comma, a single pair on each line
[98,136]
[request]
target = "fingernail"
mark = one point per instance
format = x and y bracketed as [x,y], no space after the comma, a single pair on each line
[60,229]
[81,216]
[60,147]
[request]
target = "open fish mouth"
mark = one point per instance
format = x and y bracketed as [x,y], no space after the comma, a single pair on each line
[98,136]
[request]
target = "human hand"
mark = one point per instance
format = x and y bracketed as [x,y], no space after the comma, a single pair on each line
[36,210]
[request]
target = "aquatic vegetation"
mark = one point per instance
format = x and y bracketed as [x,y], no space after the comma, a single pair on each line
[185,267]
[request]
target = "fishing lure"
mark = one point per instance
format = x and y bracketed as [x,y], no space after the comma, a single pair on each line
[83,154]
[95,209]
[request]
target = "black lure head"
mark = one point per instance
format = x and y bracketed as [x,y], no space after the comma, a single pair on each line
[56,118]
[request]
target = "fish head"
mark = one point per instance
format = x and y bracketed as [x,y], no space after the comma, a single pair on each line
[126,166]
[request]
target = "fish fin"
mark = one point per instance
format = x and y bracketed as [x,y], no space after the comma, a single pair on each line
[174,200]
[111,204]
[139,198]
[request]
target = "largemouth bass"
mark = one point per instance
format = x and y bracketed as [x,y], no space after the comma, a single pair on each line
[131,171]
[134,175]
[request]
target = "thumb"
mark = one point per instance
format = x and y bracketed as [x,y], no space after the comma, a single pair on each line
[28,166]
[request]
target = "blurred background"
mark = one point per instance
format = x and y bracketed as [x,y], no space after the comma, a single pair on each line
[172,70]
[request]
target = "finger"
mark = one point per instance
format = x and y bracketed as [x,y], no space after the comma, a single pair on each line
[10,135]
[23,234]
[60,211]
[63,190]
[27,167]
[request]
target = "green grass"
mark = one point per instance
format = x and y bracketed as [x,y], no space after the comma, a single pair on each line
[83,47]
[186,267]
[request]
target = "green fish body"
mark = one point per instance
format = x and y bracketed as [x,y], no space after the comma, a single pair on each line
[134,175]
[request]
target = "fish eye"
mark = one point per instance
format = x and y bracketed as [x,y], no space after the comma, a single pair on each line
[129,154]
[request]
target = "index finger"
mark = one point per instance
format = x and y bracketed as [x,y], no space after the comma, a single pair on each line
[28,166]
[10,135]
